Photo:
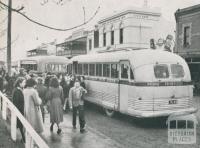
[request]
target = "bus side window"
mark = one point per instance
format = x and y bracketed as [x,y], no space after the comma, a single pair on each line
[99,70]
[114,71]
[85,69]
[52,67]
[181,124]
[63,68]
[124,71]
[60,67]
[190,124]
[173,124]
[71,68]
[56,67]
[106,70]
[75,67]
[92,69]
[35,66]
[131,74]
[80,69]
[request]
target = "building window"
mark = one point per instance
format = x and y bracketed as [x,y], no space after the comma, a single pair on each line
[96,39]
[186,36]
[90,44]
[121,35]
[104,39]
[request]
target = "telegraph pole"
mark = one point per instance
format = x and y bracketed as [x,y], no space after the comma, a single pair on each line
[9,37]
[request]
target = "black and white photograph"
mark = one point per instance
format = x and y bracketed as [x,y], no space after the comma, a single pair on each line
[99,73]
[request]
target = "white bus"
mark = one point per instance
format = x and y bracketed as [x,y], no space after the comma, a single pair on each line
[141,83]
[41,64]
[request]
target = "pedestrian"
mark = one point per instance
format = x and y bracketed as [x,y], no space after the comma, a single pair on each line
[1,81]
[82,80]
[42,90]
[55,95]
[21,73]
[47,80]
[77,104]
[72,80]
[66,94]
[32,109]
[18,101]
[60,77]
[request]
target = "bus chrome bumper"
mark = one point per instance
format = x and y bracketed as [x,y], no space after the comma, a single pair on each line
[149,114]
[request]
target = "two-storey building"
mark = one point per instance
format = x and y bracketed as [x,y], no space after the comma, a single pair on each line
[130,28]
[43,50]
[188,38]
[133,28]
[73,45]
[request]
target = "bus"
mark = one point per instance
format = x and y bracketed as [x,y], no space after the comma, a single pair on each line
[141,83]
[2,64]
[44,64]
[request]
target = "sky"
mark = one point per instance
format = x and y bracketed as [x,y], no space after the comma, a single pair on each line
[26,35]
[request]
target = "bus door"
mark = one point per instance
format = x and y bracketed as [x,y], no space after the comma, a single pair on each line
[124,85]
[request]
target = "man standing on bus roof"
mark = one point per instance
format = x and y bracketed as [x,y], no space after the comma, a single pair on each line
[77,104]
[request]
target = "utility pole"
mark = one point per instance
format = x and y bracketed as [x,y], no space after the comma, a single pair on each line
[9,37]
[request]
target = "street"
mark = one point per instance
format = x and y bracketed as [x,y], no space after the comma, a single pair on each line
[132,132]
[121,131]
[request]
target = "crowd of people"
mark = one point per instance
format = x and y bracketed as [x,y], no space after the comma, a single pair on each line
[36,95]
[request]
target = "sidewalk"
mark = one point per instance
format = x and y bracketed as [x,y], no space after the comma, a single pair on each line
[71,138]
[5,138]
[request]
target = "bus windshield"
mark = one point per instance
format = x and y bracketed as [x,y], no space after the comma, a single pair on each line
[177,71]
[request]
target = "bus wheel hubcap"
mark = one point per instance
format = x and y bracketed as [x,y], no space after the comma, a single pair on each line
[109,112]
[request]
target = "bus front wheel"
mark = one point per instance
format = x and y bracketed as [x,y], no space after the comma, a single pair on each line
[109,112]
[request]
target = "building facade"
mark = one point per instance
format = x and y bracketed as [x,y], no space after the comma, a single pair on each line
[133,28]
[130,28]
[74,45]
[188,37]
[36,52]
[43,50]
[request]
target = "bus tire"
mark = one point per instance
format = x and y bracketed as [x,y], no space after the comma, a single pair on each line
[109,112]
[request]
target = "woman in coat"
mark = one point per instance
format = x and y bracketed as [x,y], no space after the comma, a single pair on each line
[32,104]
[18,101]
[55,95]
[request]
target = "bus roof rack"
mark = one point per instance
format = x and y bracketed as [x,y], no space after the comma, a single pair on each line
[110,49]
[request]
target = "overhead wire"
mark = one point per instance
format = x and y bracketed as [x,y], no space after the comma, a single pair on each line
[4,20]
[50,27]
[3,32]
[5,47]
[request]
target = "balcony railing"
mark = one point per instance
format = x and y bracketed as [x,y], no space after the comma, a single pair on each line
[31,135]
[70,52]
